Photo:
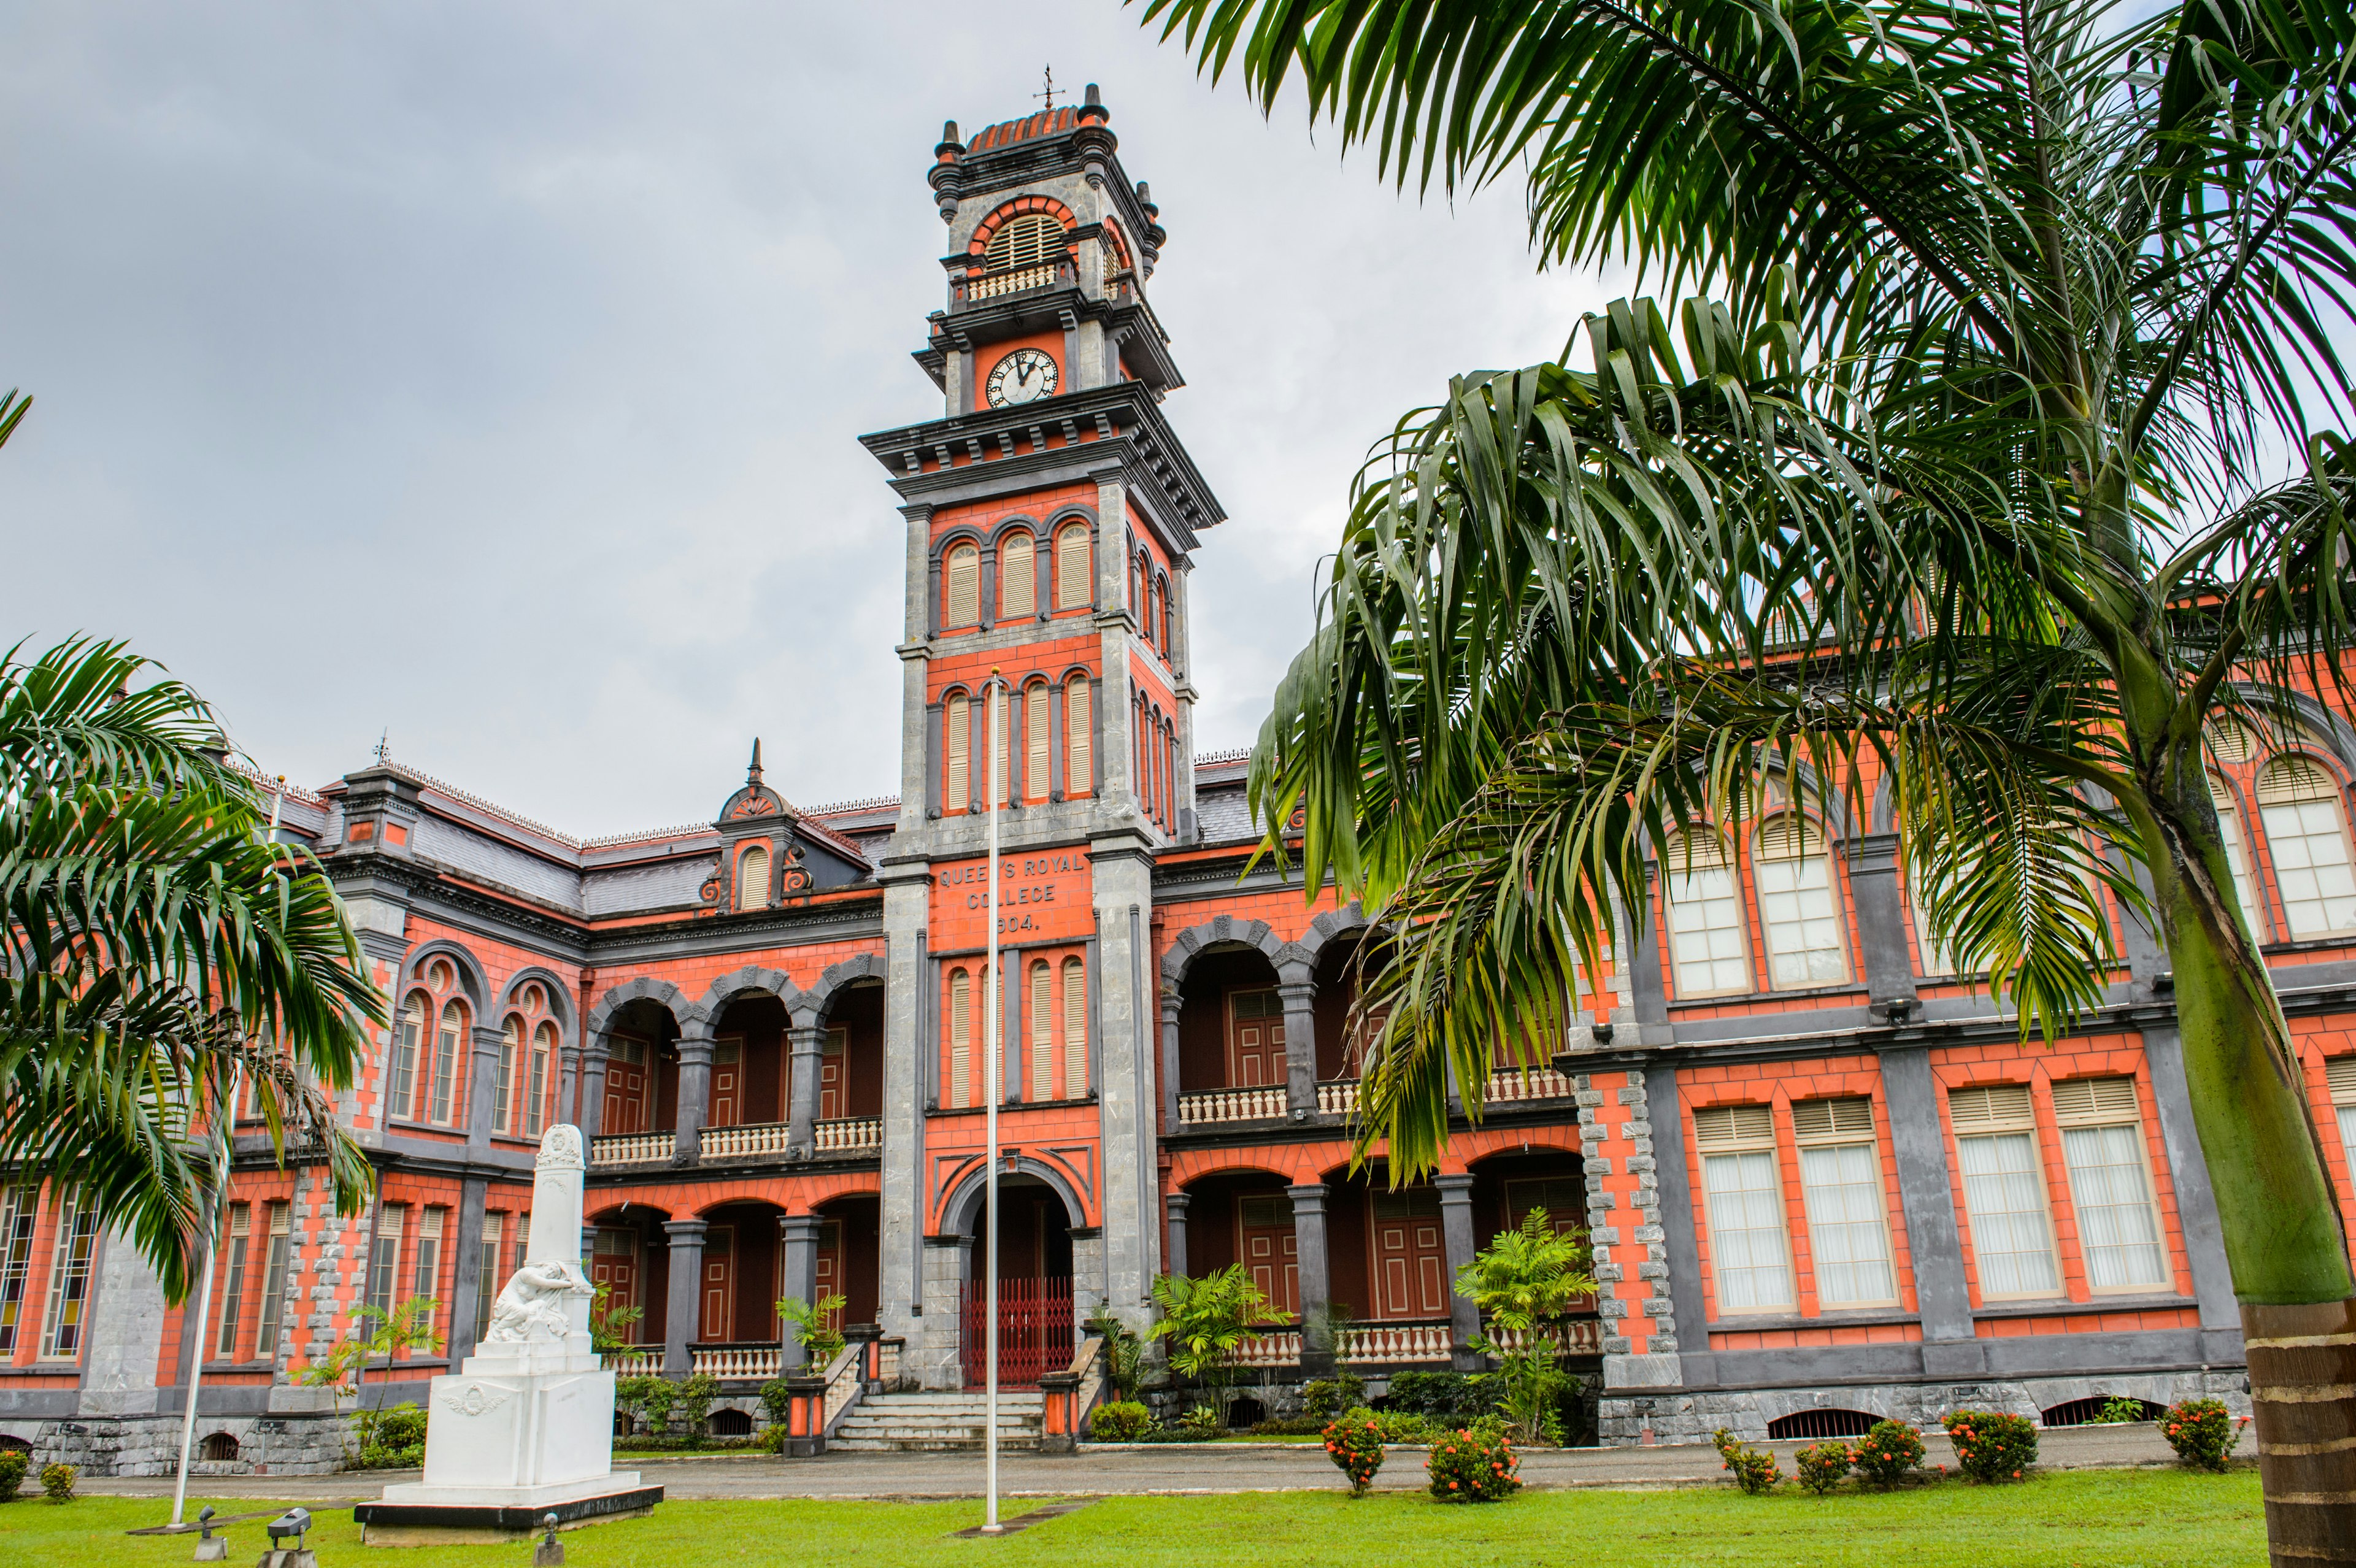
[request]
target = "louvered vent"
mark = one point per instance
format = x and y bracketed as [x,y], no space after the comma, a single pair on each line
[1998,1105]
[2292,779]
[2094,1100]
[2339,1073]
[1845,1119]
[1024,242]
[1790,837]
[2231,744]
[1724,1126]
[1258,1004]
[1704,854]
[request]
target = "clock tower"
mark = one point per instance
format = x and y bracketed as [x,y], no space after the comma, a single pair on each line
[1051,518]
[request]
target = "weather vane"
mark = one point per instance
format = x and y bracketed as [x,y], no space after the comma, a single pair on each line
[1050,94]
[381,746]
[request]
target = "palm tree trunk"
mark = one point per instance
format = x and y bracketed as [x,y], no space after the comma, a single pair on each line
[2282,1225]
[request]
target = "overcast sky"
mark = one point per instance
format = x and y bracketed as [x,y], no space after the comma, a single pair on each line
[490,374]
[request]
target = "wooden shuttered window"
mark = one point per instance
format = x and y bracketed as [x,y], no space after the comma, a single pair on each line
[1018,578]
[753,878]
[1036,728]
[961,1037]
[1075,1030]
[1025,241]
[1043,1032]
[1073,587]
[958,723]
[1078,779]
[961,586]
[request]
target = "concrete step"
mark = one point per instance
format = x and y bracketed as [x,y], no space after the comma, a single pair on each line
[938,1421]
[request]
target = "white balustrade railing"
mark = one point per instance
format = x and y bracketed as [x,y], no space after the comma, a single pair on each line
[1394,1344]
[887,1362]
[635,1361]
[1338,1097]
[750,1139]
[843,1382]
[738,1362]
[848,1134]
[632,1149]
[1280,1350]
[990,285]
[1539,1083]
[1263,1105]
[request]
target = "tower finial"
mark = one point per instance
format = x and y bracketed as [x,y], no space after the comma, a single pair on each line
[1050,93]
[753,774]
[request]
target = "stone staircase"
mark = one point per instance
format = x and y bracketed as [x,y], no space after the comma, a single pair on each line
[933,1421]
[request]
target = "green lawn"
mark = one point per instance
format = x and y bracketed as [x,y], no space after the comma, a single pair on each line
[2102,1519]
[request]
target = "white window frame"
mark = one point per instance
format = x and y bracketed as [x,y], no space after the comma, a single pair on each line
[269,1321]
[2010,1112]
[2339,1078]
[1833,1125]
[1683,866]
[237,1243]
[2233,824]
[72,1257]
[20,1214]
[1774,846]
[2336,799]
[1743,1134]
[2101,1105]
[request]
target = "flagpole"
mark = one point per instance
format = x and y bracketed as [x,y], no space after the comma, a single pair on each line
[990,1079]
[212,1239]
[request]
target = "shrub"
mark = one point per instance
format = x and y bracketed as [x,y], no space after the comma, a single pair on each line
[57,1482]
[380,1456]
[1820,1466]
[1326,1398]
[694,1399]
[1398,1426]
[1755,1471]
[1355,1444]
[1289,1427]
[402,1426]
[2118,1410]
[656,1396]
[1991,1446]
[1203,1423]
[1887,1452]
[1473,1465]
[13,1465]
[776,1397]
[1121,1421]
[2200,1431]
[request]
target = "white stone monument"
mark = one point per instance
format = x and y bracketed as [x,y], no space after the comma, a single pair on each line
[525,1427]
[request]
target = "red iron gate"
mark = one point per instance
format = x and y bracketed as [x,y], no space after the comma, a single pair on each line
[1034,1330]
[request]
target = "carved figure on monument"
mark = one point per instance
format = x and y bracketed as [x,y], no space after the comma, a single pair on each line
[533,1305]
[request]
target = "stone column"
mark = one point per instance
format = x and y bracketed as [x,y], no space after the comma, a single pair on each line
[806,1041]
[683,1311]
[694,1092]
[1456,1240]
[466,1282]
[1646,994]
[1171,1004]
[909,1050]
[1173,1260]
[1882,951]
[482,1085]
[1919,1144]
[2196,1200]
[1298,992]
[797,1233]
[593,1085]
[568,1078]
[1316,1288]
[1679,1249]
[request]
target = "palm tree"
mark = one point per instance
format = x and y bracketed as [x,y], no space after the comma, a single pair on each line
[156,945]
[1969,479]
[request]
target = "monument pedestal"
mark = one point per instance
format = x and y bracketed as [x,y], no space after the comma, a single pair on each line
[525,1428]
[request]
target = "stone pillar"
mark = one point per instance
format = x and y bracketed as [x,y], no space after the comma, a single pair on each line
[1128,1085]
[1171,1004]
[593,1086]
[1680,1247]
[1882,951]
[694,1092]
[909,1052]
[934,1354]
[568,1078]
[482,1086]
[682,1313]
[1173,1260]
[1646,994]
[1919,1144]
[2196,1200]
[1316,1286]
[806,1041]
[466,1282]
[1298,992]
[1456,1239]
[797,1233]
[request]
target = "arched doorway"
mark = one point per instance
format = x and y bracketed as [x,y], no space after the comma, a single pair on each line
[1036,1325]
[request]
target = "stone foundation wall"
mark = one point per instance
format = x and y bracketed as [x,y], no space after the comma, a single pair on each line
[1672,1415]
[150,1446]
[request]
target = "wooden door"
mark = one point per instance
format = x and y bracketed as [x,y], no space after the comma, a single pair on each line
[615,1265]
[625,1087]
[719,1278]
[727,1082]
[1410,1263]
[833,1091]
[1270,1249]
[1255,1040]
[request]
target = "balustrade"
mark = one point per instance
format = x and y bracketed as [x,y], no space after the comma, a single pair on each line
[635,1360]
[975,287]
[1394,1344]
[1262,1104]
[737,1364]
[1539,1083]
[1338,1097]
[748,1139]
[848,1134]
[632,1149]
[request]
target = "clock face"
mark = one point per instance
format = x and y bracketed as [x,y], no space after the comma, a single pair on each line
[1024,375]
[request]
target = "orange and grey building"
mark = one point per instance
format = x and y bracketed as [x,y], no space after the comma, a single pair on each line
[1823,1178]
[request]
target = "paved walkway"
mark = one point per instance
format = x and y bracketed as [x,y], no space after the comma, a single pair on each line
[1215,1467]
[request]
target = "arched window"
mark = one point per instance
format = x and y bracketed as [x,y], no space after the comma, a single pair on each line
[999,781]
[1074,584]
[2237,852]
[1705,918]
[1036,751]
[1136,596]
[2306,834]
[1043,1032]
[1077,781]
[752,878]
[503,1119]
[400,1094]
[449,1058]
[1797,906]
[1161,615]
[958,721]
[961,1037]
[1018,578]
[961,586]
[543,1081]
[1075,1030]
[1025,241]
